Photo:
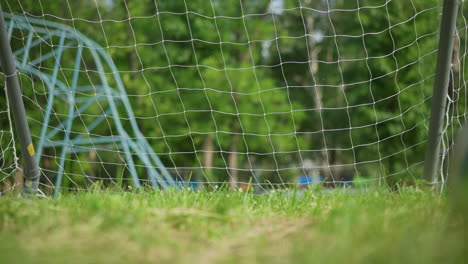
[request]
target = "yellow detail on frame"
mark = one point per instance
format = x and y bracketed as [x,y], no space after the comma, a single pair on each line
[31,149]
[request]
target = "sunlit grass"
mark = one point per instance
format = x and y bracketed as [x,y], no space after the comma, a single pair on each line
[411,226]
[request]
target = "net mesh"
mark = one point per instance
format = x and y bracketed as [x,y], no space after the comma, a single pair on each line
[8,160]
[252,94]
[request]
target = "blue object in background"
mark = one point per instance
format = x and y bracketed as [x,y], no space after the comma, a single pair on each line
[180,181]
[307,180]
[346,183]
[192,184]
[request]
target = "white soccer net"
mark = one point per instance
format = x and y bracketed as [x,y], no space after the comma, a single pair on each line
[8,158]
[259,93]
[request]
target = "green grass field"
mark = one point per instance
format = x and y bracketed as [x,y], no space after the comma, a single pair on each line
[411,226]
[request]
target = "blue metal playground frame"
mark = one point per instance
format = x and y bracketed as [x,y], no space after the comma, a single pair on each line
[114,97]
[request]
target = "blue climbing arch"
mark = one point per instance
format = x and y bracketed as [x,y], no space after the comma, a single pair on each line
[80,77]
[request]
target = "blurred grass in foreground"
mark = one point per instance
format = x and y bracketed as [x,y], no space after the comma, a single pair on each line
[411,226]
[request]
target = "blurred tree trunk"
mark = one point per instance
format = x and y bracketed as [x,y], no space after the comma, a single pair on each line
[233,159]
[208,148]
[336,158]
[46,166]
[132,56]
[19,180]
[316,92]
[89,180]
